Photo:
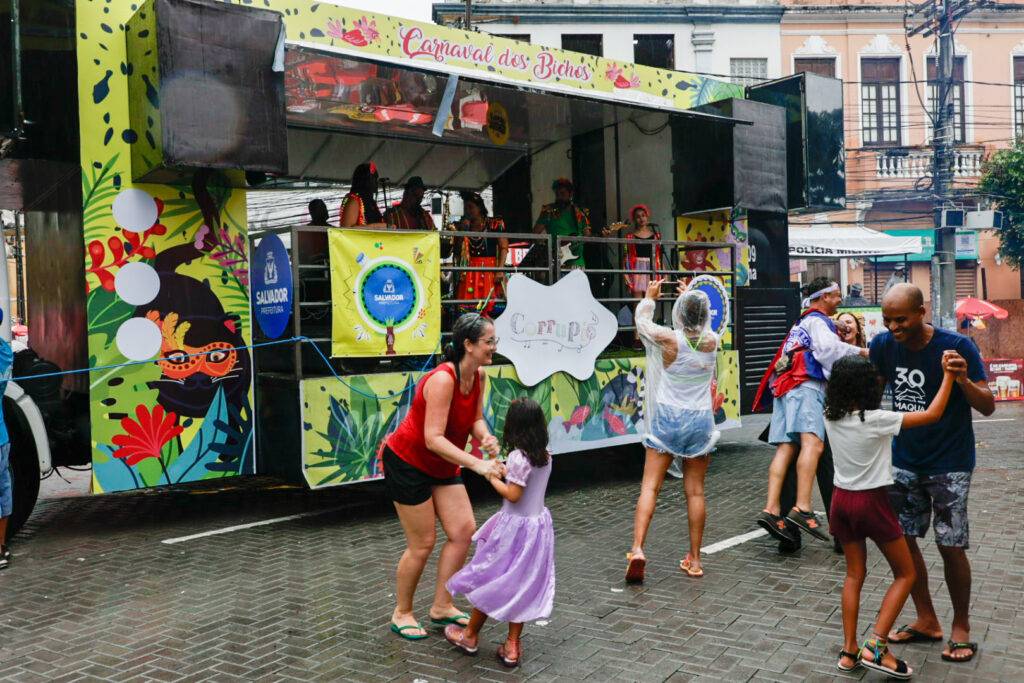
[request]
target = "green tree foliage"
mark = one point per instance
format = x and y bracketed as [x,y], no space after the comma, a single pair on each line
[1003,179]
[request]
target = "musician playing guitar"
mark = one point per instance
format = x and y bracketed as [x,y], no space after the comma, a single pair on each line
[564,218]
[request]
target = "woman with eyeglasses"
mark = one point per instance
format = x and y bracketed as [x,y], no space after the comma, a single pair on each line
[423,458]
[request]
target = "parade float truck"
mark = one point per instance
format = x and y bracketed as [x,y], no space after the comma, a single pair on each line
[198,349]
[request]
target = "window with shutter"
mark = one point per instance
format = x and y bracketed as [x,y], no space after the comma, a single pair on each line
[655,50]
[1018,95]
[880,101]
[966,280]
[823,66]
[587,43]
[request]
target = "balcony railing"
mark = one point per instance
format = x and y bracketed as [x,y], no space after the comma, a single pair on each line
[914,163]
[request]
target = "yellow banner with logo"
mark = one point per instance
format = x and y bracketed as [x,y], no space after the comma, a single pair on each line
[385,292]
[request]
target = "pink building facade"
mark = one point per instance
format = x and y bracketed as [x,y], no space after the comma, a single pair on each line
[887,95]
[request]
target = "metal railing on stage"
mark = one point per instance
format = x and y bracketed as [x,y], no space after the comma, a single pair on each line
[538,256]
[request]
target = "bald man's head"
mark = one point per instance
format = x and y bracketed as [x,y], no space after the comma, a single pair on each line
[905,293]
[903,313]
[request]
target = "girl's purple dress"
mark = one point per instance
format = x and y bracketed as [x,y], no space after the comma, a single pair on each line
[512,574]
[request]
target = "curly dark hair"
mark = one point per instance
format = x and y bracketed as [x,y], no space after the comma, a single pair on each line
[855,386]
[526,430]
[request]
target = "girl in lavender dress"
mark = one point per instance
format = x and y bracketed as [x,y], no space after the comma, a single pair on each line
[512,574]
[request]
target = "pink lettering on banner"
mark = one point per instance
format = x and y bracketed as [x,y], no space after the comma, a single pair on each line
[549,67]
[415,44]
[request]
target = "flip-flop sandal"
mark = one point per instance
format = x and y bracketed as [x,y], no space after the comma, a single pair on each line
[401,630]
[454,619]
[973,647]
[855,656]
[684,565]
[454,633]
[635,568]
[915,636]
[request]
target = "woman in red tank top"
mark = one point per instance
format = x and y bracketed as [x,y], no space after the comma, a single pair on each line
[422,461]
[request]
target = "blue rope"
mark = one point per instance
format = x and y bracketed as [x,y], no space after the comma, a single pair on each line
[276,342]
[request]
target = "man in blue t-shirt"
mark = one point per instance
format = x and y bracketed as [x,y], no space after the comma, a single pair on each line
[932,465]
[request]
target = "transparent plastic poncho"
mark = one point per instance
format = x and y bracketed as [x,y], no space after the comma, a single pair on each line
[694,344]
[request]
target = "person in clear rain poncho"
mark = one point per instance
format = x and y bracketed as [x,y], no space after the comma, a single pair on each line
[679,427]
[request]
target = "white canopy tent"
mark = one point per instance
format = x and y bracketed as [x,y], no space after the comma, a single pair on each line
[825,241]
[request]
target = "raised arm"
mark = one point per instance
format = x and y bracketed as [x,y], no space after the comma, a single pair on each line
[644,318]
[970,377]
[933,413]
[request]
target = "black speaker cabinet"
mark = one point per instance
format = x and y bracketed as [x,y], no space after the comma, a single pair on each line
[203,90]
[740,165]
[816,159]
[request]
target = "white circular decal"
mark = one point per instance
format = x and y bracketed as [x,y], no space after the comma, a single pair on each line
[134,210]
[138,339]
[137,283]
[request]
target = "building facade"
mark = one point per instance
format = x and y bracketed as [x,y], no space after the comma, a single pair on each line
[888,93]
[733,41]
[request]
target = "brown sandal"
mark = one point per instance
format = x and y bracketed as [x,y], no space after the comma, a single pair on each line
[510,656]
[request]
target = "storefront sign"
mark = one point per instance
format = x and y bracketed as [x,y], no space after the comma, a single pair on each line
[272,286]
[718,297]
[1005,378]
[545,329]
[384,291]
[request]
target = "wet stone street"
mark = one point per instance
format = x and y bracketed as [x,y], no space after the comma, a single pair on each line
[97,593]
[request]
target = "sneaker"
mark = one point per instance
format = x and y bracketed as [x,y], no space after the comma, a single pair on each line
[5,556]
[809,522]
[777,527]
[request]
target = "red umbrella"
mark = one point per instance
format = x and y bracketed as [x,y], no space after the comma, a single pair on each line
[979,308]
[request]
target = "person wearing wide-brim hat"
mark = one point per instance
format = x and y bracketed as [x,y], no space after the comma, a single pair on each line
[409,213]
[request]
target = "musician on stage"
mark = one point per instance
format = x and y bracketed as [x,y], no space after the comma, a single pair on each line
[565,218]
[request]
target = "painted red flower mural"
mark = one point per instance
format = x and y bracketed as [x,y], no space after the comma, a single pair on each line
[147,435]
[121,250]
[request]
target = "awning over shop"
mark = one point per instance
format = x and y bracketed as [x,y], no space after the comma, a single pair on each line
[826,241]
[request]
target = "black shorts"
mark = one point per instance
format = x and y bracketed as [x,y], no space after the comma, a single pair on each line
[408,485]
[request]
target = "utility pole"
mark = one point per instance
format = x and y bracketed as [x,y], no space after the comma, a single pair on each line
[938,17]
[468,21]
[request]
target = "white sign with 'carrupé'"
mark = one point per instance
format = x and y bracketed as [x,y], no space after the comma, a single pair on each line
[557,328]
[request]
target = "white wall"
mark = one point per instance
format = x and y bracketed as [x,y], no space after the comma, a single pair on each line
[645,172]
[731,40]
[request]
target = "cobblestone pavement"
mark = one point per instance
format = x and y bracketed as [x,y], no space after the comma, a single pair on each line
[94,594]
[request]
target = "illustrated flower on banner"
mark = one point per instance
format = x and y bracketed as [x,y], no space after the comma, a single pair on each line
[120,250]
[364,33]
[619,80]
[147,435]
[229,252]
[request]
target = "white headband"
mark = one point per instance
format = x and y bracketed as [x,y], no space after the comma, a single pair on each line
[831,288]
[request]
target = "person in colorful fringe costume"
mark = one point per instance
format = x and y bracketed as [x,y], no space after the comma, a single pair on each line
[564,218]
[486,251]
[796,381]
[359,208]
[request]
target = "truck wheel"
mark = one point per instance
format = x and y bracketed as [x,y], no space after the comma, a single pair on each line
[24,464]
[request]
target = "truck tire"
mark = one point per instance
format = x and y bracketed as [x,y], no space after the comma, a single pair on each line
[24,464]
